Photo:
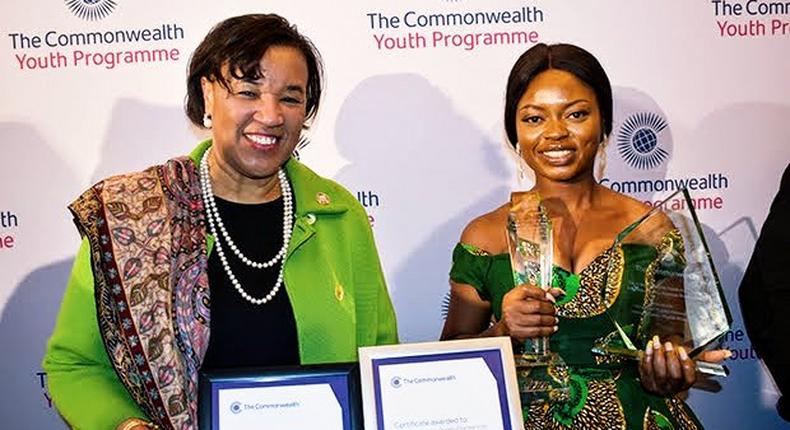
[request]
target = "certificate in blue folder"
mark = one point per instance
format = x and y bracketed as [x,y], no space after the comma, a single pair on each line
[455,385]
[281,398]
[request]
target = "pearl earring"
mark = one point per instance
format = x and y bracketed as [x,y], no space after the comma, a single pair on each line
[600,162]
[207,120]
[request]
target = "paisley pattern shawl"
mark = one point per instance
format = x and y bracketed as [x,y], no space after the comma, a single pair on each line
[147,236]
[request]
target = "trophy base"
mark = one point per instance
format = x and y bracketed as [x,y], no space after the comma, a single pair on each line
[543,378]
[712,369]
[535,360]
[703,367]
[543,394]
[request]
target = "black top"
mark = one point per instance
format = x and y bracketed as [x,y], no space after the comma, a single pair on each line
[244,334]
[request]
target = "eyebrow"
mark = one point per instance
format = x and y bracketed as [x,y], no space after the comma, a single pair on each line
[259,81]
[565,106]
[297,88]
[288,88]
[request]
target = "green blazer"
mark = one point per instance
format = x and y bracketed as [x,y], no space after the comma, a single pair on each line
[332,275]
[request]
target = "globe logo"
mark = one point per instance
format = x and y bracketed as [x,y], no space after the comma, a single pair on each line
[396,382]
[91,10]
[235,407]
[638,140]
[645,140]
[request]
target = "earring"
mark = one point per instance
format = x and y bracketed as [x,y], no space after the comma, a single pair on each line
[207,120]
[600,162]
[520,165]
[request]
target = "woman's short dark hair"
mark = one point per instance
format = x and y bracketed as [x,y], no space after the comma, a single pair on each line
[240,42]
[569,58]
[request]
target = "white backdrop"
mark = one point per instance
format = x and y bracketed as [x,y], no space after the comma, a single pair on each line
[416,131]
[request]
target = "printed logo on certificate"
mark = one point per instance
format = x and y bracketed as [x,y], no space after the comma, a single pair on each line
[281,398]
[452,385]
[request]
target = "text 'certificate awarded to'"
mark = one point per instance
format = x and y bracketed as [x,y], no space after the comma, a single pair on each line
[453,385]
[280,399]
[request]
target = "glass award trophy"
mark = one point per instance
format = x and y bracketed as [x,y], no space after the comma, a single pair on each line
[678,298]
[542,374]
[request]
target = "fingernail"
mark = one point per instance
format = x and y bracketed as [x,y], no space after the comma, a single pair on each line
[649,347]
[550,298]
[682,352]
[556,328]
[727,354]
[656,342]
[556,320]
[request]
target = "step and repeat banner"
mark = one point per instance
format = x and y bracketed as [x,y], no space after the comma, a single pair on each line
[410,123]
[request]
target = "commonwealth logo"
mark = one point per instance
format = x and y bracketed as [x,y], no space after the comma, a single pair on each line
[91,10]
[235,407]
[639,140]
[396,382]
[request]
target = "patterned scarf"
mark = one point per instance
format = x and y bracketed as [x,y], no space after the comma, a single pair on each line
[147,236]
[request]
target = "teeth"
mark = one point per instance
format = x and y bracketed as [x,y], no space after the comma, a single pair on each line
[559,153]
[262,140]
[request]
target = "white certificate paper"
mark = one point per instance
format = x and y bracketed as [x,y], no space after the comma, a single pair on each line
[457,385]
[279,408]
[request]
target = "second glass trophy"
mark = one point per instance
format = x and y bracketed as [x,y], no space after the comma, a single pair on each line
[680,299]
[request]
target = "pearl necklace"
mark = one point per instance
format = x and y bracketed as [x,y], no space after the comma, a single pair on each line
[215,221]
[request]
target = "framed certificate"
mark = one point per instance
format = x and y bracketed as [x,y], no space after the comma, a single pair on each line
[281,398]
[451,385]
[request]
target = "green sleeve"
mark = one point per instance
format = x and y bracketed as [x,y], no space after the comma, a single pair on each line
[470,266]
[83,383]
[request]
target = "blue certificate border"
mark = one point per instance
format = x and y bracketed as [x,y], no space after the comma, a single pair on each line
[342,378]
[492,358]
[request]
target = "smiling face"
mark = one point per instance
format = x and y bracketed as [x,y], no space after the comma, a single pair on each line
[558,124]
[257,123]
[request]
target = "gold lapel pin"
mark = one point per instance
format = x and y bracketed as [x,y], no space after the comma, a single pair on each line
[322,199]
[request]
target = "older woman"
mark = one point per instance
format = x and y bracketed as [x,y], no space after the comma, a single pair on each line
[558,113]
[237,255]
